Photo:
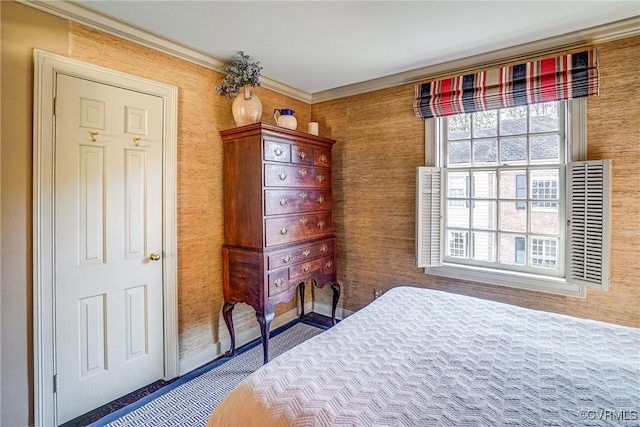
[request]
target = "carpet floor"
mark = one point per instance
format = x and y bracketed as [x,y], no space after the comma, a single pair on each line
[189,400]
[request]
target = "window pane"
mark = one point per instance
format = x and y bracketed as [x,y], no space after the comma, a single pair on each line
[544,207]
[513,121]
[484,184]
[545,148]
[459,126]
[544,117]
[457,215]
[513,184]
[544,222]
[457,244]
[513,217]
[483,246]
[484,215]
[485,152]
[513,249]
[458,203]
[485,123]
[513,150]
[544,185]
[459,153]
[544,253]
[457,184]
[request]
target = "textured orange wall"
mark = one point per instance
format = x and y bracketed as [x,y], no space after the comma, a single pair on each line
[202,113]
[380,143]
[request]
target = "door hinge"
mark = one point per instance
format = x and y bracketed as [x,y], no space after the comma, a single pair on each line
[56,106]
[55,383]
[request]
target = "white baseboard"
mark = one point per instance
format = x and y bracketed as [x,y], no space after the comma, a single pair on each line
[216,350]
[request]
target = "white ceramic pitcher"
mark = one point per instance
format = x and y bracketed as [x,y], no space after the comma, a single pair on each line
[284,117]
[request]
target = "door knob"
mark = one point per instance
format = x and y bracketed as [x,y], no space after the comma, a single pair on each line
[154,256]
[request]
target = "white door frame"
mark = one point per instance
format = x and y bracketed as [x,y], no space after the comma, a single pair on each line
[46,68]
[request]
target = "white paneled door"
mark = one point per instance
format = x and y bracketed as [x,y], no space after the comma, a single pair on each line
[108,243]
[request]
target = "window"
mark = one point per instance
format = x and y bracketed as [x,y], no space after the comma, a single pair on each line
[457,244]
[489,157]
[504,188]
[520,253]
[544,187]
[544,253]
[521,190]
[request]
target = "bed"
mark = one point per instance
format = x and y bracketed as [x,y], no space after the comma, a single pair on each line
[420,357]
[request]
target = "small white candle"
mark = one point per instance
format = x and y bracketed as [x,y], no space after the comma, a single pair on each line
[313,128]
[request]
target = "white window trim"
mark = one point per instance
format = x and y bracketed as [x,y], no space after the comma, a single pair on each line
[576,137]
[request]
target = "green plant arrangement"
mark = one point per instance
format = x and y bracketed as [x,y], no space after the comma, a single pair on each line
[240,73]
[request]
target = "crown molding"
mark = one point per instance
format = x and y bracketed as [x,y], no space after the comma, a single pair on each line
[89,17]
[552,45]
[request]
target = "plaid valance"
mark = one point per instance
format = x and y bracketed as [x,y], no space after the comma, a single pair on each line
[553,79]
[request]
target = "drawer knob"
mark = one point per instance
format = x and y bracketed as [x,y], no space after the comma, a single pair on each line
[320,200]
[278,151]
[282,176]
[302,172]
[279,281]
[283,230]
[286,258]
[302,155]
[320,178]
[303,220]
[302,195]
[283,201]
[329,264]
[323,158]
[323,248]
[306,268]
[320,224]
[306,252]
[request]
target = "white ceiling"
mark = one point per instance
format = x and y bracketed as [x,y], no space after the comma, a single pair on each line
[315,46]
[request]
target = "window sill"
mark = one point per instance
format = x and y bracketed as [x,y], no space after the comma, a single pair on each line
[510,279]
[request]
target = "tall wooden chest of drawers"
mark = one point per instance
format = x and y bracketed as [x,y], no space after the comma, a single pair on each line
[278,224]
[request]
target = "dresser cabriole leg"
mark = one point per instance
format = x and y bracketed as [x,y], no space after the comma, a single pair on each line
[227,311]
[301,287]
[265,323]
[336,295]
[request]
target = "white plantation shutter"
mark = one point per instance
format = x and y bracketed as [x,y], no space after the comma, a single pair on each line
[429,217]
[588,190]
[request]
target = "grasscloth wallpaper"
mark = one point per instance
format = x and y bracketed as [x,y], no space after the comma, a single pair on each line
[380,142]
[202,113]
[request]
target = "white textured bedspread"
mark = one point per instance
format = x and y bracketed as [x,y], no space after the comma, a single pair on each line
[418,357]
